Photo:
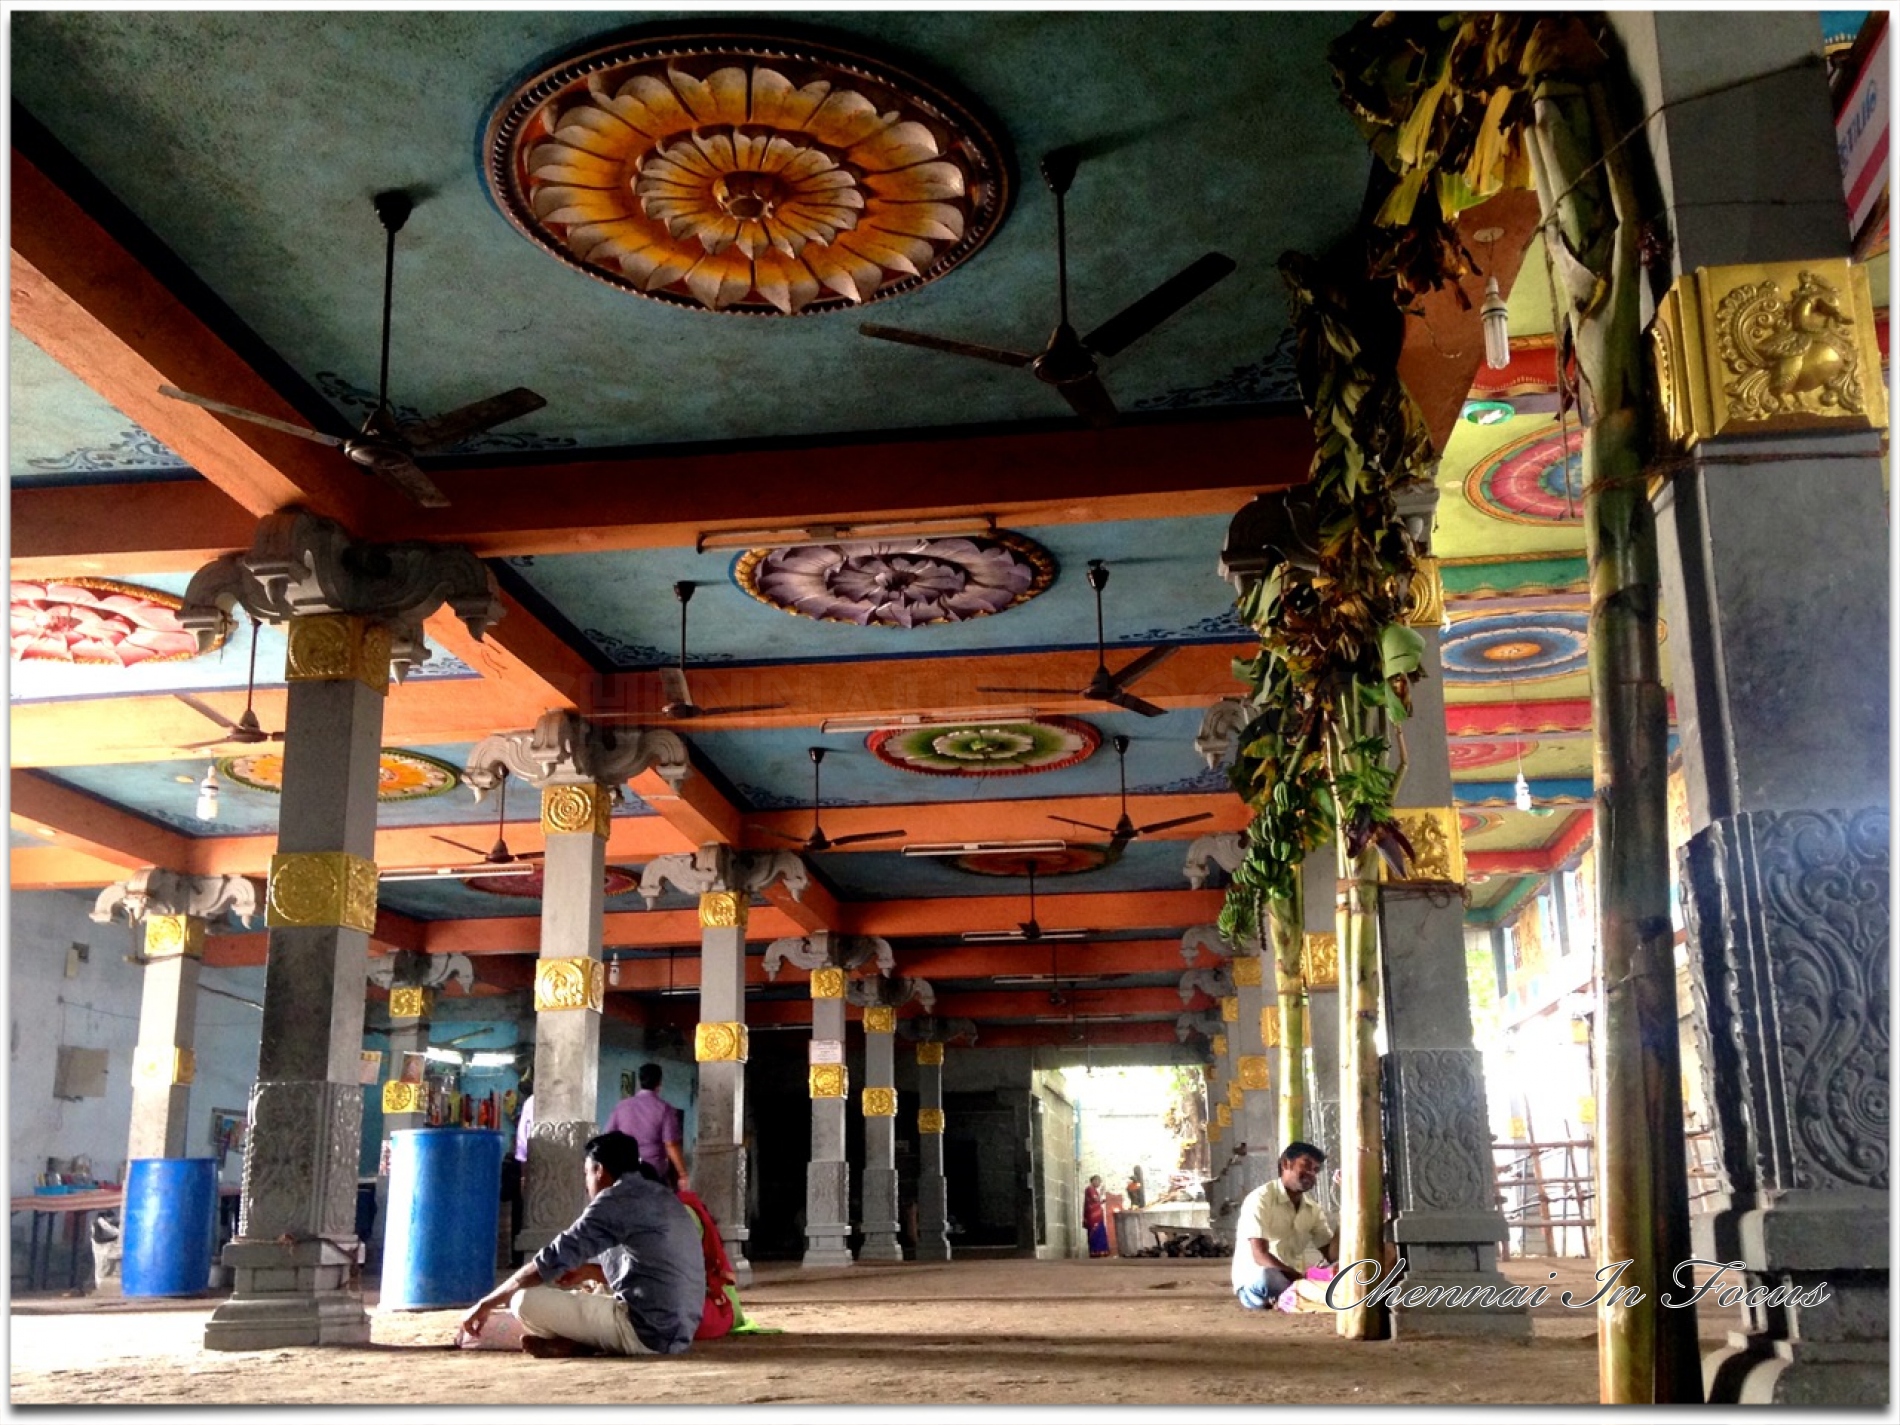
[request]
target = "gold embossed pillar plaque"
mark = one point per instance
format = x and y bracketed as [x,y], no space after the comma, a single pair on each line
[1224,1115]
[720,1043]
[329,648]
[879,1102]
[410,1002]
[1438,849]
[1219,1046]
[1246,969]
[399,1097]
[1234,1093]
[827,983]
[321,888]
[1253,1071]
[880,1019]
[1766,348]
[167,936]
[723,910]
[828,1081]
[930,1120]
[1426,608]
[570,807]
[1319,960]
[1270,1026]
[1230,1009]
[577,982]
[163,1065]
[930,1052]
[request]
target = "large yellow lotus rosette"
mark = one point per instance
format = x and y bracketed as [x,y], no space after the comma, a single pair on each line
[741,175]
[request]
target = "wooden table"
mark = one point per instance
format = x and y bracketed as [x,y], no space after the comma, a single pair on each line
[77,1208]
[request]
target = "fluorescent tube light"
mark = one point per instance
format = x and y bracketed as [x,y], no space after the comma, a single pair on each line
[985,848]
[822,532]
[905,722]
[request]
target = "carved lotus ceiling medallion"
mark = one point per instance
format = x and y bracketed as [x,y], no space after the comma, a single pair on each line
[85,620]
[748,175]
[898,583]
[987,749]
[402,775]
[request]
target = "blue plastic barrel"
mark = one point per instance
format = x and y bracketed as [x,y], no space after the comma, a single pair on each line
[171,1226]
[444,1209]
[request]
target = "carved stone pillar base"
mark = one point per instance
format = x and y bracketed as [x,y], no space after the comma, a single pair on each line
[724,1164]
[290,1294]
[554,1186]
[933,1216]
[827,1215]
[880,1217]
[1455,1267]
[1788,917]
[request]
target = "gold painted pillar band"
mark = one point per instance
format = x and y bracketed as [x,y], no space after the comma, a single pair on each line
[321,888]
[1438,848]
[333,648]
[1219,1046]
[163,1065]
[1319,960]
[930,1120]
[1230,1009]
[1234,1093]
[827,983]
[1246,970]
[1427,606]
[1253,1071]
[399,1097]
[411,1002]
[168,936]
[715,1043]
[1270,1026]
[723,910]
[930,1052]
[1224,1116]
[879,1102]
[578,982]
[829,1081]
[880,1019]
[571,807]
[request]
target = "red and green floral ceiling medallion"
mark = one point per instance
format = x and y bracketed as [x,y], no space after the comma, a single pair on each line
[531,884]
[898,583]
[1072,862]
[99,621]
[402,776]
[769,177]
[1010,749]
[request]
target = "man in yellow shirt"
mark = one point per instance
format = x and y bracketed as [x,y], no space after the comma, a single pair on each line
[1281,1234]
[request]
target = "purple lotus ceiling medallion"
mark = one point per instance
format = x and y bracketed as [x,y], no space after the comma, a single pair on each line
[898,583]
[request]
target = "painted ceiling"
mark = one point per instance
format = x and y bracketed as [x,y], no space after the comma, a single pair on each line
[246,204]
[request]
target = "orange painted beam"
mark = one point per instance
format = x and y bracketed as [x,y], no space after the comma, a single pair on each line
[1078,1036]
[527,664]
[814,909]
[950,916]
[83,823]
[168,527]
[396,931]
[54,868]
[1028,1003]
[1070,957]
[697,810]
[1015,819]
[521,934]
[82,297]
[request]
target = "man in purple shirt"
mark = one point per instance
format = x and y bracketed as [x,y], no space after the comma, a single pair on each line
[654,1124]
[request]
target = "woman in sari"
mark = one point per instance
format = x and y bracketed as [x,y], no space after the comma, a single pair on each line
[1095,1217]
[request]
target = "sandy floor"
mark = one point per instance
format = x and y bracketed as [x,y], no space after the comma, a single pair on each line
[967,1333]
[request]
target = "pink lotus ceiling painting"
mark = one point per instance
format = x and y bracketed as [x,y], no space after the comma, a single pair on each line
[900,583]
[1070,862]
[1011,749]
[1535,480]
[96,621]
[530,884]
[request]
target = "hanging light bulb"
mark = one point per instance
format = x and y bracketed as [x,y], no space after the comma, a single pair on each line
[1522,794]
[207,809]
[613,972]
[1497,327]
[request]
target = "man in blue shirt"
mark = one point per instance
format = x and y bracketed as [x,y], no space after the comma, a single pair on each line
[635,1238]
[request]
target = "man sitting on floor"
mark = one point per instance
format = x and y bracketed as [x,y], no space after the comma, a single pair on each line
[637,1239]
[1281,1234]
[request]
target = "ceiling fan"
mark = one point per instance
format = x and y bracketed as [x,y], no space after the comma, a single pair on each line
[247,730]
[1107,687]
[1028,932]
[1124,830]
[497,861]
[679,698]
[818,841]
[382,445]
[1068,361]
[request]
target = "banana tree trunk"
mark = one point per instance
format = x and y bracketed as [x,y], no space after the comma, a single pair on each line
[1289,931]
[1645,1354]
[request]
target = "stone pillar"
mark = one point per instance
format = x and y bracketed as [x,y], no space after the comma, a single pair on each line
[173,911]
[1255,1038]
[933,1201]
[1442,1185]
[579,769]
[1223,1084]
[878,1180]
[352,611]
[403,1103]
[828,1174]
[1319,967]
[1773,529]
[724,881]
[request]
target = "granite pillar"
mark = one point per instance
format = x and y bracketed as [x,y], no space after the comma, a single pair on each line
[403,1103]
[933,1202]
[878,1179]
[1255,1039]
[1319,967]
[1773,529]
[827,1175]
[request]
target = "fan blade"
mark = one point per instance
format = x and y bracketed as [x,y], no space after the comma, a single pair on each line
[673,686]
[219,718]
[542,855]
[944,343]
[837,841]
[1089,825]
[252,416]
[1154,826]
[459,845]
[742,708]
[1089,399]
[1144,314]
[1058,692]
[1133,703]
[468,420]
[781,835]
[407,476]
[1143,666]
[214,742]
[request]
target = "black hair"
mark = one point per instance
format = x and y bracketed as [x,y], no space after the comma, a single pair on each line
[1298,1149]
[650,1076]
[617,1153]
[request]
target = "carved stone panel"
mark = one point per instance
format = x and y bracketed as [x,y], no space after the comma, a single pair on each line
[555,1187]
[1788,916]
[300,1168]
[1441,1160]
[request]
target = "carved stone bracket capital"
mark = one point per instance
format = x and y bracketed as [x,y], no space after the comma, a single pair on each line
[890,991]
[829,949]
[563,747]
[1219,735]
[155,891]
[714,868]
[1225,849]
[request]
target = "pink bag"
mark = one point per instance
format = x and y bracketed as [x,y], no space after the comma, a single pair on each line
[1307,1294]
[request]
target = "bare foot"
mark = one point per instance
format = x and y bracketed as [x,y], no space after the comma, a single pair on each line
[550,1347]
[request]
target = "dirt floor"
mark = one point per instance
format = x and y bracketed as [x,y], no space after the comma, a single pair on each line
[1000,1332]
